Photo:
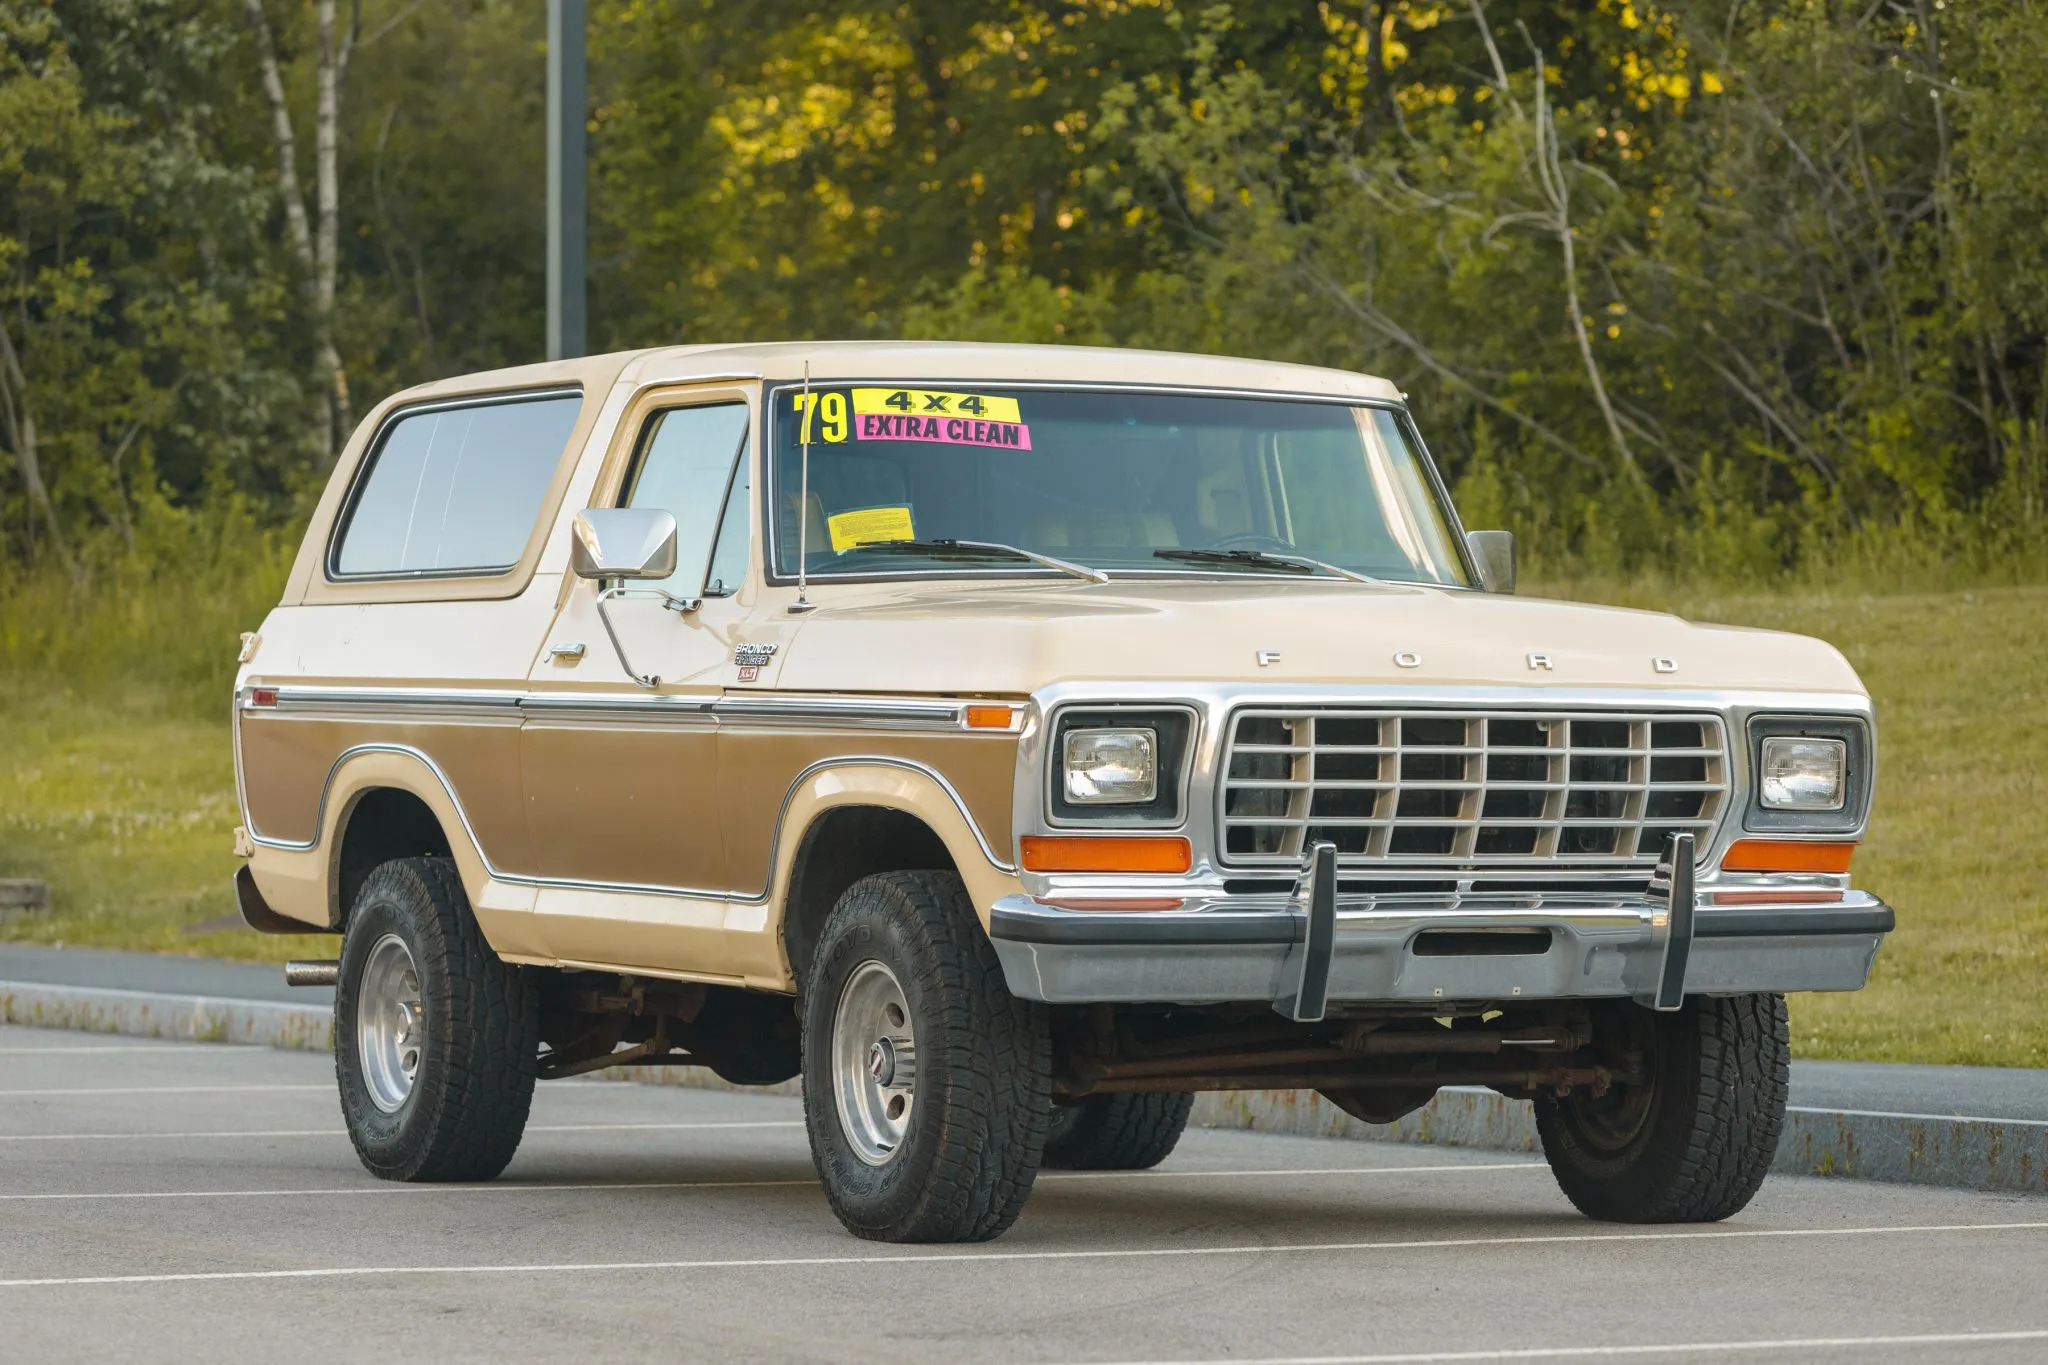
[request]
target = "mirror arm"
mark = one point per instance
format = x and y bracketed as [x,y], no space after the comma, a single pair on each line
[646,679]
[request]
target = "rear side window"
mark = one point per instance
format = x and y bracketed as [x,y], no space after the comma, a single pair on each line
[456,490]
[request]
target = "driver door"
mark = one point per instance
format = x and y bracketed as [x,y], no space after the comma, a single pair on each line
[620,777]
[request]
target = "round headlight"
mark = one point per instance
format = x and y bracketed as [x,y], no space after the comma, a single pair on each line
[1797,773]
[1111,767]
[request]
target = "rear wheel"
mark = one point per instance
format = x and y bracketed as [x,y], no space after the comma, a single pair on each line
[1692,1143]
[1116,1132]
[435,1037]
[927,1085]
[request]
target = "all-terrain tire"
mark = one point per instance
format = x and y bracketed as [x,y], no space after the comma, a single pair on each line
[982,1092]
[1692,1146]
[1116,1132]
[478,1032]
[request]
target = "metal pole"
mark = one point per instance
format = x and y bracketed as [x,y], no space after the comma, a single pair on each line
[568,115]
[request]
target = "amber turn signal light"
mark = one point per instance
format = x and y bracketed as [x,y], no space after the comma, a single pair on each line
[1097,853]
[991,717]
[1779,855]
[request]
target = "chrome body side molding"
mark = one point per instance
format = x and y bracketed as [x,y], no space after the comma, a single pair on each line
[748,708]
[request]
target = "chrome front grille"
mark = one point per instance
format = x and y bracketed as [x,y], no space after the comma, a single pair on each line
[1450,788]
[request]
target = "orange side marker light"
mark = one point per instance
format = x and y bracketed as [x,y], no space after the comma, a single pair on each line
[1098,853]
[1783,855]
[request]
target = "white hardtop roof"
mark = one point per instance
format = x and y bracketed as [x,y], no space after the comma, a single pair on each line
[927,362]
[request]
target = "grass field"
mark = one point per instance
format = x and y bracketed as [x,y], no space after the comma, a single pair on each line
[123,799]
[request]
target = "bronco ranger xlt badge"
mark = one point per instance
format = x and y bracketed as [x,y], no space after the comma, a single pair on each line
[1015,840]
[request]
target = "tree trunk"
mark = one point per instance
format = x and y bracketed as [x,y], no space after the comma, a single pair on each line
[22,439]
[316,244]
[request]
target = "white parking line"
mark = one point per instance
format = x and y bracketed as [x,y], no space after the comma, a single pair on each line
[1648,1349]
[966,1258]
[501,1187]
[514,1187]
[1312,1170]
[156,1090]
[343,1132]
[97,1048]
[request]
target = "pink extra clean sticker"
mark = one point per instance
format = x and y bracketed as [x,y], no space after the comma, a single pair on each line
[958,431]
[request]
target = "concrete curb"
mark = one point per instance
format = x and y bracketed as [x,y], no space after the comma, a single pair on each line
[1917,1149]
[147,1014]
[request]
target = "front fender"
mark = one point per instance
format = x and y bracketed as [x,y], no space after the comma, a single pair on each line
[983,857]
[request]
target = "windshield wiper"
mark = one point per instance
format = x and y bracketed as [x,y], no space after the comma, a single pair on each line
[980,549]
[1262,559]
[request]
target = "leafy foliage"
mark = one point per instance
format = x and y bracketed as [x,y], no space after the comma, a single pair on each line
[1720,288]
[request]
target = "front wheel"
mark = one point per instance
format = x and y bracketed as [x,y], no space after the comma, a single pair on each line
[1132,1132]
[1690,1144]
[435,1036]
[927,1085]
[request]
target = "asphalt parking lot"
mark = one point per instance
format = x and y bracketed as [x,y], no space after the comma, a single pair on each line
[195,1201]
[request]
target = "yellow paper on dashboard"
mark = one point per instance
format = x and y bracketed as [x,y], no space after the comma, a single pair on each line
[868,525]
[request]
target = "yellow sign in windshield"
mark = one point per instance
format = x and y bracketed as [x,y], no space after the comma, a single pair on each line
[869,526]
[933,403]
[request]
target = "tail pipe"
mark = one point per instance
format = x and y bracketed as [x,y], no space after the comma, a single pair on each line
[316,972]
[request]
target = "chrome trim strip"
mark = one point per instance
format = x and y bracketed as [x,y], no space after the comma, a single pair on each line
[570,883]
[384,700]
[861,711]
[744,708]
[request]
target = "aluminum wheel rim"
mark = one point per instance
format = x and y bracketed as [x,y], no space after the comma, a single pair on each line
[390,1026]
[874,1063]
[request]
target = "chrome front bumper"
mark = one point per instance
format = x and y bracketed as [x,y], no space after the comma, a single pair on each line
[1252,948]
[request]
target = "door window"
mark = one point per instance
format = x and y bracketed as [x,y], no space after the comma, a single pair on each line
[455,490]
[692,465]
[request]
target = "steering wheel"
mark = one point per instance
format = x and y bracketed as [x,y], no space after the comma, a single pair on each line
[1253,540]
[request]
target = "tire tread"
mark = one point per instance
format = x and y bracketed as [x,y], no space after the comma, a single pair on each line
[995,1103]
[1132,1132]
[472,1120]
[1707,1159]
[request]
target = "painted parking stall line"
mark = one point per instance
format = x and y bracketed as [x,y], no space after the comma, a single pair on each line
[54,1092]
[573,1187]
[253,1133]
[975,1258]
[242,1050]
[1644,1350]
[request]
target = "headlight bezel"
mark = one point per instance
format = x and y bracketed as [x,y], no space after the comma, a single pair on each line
[1173,730]
[1854,736]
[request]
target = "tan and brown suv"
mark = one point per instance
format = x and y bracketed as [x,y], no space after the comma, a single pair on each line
[1012,742]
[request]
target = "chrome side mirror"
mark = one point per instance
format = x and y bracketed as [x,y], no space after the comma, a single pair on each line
[1494,553]
[623,542]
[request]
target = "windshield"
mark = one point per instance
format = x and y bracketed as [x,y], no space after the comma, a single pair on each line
[1103,479]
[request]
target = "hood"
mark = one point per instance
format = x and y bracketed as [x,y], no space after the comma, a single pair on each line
[1012,637]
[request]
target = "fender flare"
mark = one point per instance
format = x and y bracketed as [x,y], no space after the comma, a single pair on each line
[305,883]
[892,784]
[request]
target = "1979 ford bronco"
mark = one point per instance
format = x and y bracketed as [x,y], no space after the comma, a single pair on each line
[1011,742]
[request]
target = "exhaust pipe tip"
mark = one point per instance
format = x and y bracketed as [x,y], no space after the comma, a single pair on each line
[321,972]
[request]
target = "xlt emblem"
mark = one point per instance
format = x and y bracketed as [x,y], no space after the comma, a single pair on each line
[751,658]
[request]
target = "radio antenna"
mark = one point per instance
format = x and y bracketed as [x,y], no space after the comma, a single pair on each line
[803,507]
